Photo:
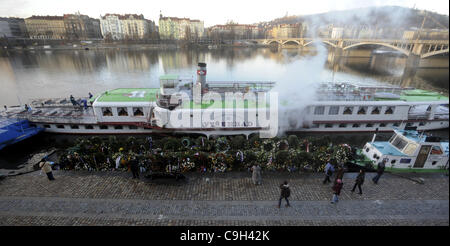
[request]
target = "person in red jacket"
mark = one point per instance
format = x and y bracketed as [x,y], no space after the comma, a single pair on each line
[337,191]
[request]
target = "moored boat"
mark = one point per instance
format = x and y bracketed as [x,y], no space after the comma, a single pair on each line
[406,151]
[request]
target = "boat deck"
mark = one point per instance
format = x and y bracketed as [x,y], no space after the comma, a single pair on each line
[63,114]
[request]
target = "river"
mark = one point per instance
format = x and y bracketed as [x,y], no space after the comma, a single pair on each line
[60,73]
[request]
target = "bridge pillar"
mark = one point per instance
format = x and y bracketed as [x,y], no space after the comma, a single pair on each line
[412,63]
[417,50]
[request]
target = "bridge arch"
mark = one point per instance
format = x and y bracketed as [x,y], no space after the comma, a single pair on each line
[323,41]
[405,52]
[273,41]
[291,41]
[434,53]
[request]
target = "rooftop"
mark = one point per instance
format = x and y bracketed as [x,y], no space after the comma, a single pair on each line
[129,95]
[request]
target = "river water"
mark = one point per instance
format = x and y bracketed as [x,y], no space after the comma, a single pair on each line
[35,74]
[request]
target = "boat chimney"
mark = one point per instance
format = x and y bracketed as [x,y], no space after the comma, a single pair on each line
[201,73]
[374,135]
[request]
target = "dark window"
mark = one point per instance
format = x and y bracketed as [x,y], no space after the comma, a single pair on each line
[422,123]
[376,110]
[355,125]
[107,111]
[121,111]
[396,124]
[74,127]
[393,161]
[342,125]
[362,110]
[409,124]
[348,110]
[103,127]
[369,125]
[405,161]
[88,127]
[118,127]
[389,110]
[60,126]
[46,126]
[328,125]
[132,127]
[382,124]
[138,111]
[32,125]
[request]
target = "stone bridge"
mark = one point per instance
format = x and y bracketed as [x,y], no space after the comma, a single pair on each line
[421,48]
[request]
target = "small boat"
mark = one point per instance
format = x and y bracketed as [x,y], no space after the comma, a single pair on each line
[406,151]
[15,130]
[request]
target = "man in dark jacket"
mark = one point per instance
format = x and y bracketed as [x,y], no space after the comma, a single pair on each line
[359,181]
[285,193]
[380,171]
[134,166]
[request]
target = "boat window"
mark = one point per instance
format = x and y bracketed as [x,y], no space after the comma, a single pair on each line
[319,110]
[132,127]
[436,150]
[89,127]
[328,125]
[399,142]
[103,127]
[107,111]
[410,149]
[409,124]
[383,125]
[334,110]
[348,110]
[396,124]
[422,123]
[362,110]
[369,125]
[118,127]
[355,125]
[138,111]
[46,126]
[74,127]
[389,110]
[315,126]
[60,126]
[122,111]
[342,125]
[376,110]
[405,161]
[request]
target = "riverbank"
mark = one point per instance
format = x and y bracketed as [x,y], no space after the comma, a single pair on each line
[113,198]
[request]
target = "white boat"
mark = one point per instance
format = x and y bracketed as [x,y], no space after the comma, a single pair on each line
[407,150]
[180,105]
[345,107]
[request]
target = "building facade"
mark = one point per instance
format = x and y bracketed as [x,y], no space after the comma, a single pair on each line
[173,28]
[81,27]
[46,27]
[234,31]
[128,26]
[286,31]
[13,28]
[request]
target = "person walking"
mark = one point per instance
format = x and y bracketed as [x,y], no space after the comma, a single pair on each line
[337,191]
[329,169]
[359,181]
[45,166]
[256,174]
[285,193]
[134,166]
[339,172]
[380,171]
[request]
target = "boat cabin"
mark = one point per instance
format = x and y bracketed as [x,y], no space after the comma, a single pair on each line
[409,149]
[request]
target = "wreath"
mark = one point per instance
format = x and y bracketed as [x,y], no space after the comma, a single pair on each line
[222,144]
[185,142]
[187,165]
[268,146]
[218,162]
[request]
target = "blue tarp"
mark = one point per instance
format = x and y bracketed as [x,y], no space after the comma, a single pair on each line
[15,130]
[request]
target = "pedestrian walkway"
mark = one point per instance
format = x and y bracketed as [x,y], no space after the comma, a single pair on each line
[113,198]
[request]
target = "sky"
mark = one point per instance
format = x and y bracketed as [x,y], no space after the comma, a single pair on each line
[212,12]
